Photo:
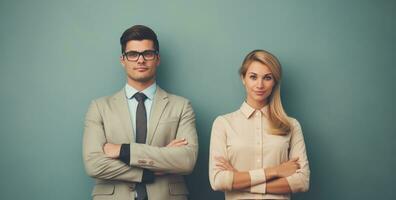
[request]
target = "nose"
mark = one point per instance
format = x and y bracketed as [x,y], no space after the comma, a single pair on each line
[260,83]
[140,59]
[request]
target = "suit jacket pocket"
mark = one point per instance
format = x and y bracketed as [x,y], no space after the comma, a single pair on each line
[103,189]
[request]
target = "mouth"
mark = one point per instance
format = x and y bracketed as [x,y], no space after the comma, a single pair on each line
[259,93]
[141,69]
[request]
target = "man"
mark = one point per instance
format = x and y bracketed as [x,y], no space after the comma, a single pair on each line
[139,142]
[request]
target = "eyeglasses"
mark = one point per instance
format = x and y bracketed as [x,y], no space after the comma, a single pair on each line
[134,55]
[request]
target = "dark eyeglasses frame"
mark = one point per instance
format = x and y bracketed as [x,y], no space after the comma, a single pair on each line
[141,54]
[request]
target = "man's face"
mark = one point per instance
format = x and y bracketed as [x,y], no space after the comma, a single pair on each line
[141,70]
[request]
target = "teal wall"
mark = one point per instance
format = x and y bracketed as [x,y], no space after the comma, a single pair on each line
[338,59]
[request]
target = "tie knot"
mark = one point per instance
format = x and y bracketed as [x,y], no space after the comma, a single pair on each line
[140,97]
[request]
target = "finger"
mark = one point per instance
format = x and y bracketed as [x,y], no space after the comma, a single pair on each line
[170,144]
[223,159]
[220,165]
[173,141]
[178,145]
[177,142]
[220,168]
[182,142]
[219,158]
[228,164]
[229,167]
[293,159]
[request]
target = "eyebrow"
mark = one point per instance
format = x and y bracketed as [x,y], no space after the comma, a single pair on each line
[252,73]
[140,51]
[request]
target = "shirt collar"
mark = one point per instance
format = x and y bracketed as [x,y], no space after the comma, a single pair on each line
[248,111]
[149,92]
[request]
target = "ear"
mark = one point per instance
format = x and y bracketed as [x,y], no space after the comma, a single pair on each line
[243,79]
[158,60]
[122,61]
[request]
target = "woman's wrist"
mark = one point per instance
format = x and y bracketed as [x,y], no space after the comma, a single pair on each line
[271,173]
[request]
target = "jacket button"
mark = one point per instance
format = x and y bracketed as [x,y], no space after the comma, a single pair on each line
[131,187]
[142,162]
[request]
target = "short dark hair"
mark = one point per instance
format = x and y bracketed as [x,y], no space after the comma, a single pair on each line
[138,32]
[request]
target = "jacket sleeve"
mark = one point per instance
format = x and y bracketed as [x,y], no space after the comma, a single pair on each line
[97,165]
[175,160]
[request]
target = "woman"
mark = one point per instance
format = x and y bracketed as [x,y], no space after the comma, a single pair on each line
[258,152]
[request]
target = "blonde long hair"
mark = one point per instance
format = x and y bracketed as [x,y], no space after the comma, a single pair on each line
[279,121]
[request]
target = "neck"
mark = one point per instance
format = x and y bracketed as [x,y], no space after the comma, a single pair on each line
[140,86]
[256,104]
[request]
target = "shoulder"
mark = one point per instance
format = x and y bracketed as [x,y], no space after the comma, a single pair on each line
[294,125]
[177,99]
[172,98]
[106,100]
[227,118]
[175,103]
[293,121]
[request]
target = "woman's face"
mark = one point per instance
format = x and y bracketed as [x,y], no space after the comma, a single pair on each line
[258,82]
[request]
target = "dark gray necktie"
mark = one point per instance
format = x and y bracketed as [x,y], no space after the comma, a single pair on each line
[141,118]
[141,133]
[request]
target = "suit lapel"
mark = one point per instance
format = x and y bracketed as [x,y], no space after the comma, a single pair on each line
[158,107]
[121,106]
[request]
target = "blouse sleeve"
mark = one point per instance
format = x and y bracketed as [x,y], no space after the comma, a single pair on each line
[220,180]
[299,181]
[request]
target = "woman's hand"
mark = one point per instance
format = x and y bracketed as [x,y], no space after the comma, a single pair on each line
[287,168]
[223,164]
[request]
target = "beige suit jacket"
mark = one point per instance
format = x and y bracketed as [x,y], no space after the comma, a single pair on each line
[108,120]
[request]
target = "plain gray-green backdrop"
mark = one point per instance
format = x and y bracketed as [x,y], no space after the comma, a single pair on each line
[338,59]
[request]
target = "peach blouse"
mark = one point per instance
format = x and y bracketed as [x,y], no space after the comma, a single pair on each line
[241,138]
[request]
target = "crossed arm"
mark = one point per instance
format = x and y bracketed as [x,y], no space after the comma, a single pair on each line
[274,177]
[290,176]
[114,150]
[100,157]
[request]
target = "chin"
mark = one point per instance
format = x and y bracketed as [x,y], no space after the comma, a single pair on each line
[145,79]
[260,99]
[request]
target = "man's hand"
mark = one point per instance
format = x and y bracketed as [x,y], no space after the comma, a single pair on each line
[173,143]
[112,150]
[177,143]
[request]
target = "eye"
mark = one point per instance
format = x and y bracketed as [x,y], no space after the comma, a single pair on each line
[268,77]
[149,54]
[253,77]
[132,54]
